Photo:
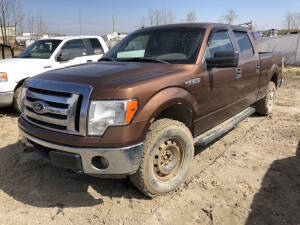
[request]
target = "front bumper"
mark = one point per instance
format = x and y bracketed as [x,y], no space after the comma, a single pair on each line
[6,99]
[121,161]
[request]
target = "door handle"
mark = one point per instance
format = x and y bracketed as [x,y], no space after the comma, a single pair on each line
[89,60]
[47,67]
[257,68]
[239,73]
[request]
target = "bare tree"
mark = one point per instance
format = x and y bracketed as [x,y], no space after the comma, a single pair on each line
[171,17]
[151,17]
[289,20]
[230,17]
[292,21]
[42,27]
[191,17]
[31,23]
[158,17]
[143,22]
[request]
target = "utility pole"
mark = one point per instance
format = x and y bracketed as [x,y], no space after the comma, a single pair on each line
[80,25]
[113,23]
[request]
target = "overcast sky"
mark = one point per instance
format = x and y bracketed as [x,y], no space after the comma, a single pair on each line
[96,15]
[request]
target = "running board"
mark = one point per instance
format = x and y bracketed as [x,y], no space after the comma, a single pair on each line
[223,128]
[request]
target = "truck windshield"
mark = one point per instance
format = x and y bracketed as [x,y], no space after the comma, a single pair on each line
[42,49]
[180,46]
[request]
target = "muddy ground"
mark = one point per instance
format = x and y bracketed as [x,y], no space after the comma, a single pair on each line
[249,176]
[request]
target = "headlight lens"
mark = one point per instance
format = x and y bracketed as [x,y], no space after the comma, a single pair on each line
[23,94]
[103,114]
[3,77]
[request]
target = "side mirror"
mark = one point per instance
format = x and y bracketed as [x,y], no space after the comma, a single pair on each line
[63,57]
[223,59]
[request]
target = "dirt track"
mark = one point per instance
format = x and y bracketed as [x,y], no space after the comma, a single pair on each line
[250,176]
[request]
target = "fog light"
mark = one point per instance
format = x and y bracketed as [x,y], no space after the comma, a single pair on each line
[100,162]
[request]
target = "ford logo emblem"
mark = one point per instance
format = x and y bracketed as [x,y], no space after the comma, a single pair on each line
[39,107]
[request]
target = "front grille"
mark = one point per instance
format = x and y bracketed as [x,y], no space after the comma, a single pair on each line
[64,106]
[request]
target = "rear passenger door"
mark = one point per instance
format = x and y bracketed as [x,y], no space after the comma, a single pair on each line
[249,69]
[94,50]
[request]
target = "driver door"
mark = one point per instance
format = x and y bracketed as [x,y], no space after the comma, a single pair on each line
[218,92]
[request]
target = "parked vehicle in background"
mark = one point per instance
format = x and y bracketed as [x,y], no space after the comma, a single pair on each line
[44,55]
[140,110]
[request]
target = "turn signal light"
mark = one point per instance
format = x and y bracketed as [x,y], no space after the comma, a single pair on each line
[131,108]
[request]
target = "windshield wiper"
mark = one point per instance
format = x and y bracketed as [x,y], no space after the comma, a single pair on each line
[106,59]
[141,59]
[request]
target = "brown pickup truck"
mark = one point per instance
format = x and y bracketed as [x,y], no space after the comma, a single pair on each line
[143,107]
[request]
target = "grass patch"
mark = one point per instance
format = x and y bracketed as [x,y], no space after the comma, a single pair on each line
[297,73]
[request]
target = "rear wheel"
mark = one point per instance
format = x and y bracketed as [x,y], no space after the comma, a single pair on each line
[167,156]
[265,106]
[17,99]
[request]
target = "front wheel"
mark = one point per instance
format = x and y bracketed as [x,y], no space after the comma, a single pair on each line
[17,99]
[167,156]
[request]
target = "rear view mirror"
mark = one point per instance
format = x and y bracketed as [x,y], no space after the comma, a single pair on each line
[223,59]
[63,57]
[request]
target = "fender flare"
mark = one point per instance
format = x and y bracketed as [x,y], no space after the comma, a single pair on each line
[19,83]
[164,99]
[274,71]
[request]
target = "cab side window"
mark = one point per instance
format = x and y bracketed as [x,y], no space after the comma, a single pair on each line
[75,48]
[95,46]
[243,41]
[219,41]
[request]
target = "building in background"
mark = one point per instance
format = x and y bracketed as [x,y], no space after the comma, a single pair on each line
[8,35]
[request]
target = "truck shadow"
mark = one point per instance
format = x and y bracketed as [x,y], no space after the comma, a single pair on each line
[8,112]
[278,200]
[27,178]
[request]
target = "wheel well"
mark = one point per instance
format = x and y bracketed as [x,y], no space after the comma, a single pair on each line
[20,83]
[275,79]
[179,112]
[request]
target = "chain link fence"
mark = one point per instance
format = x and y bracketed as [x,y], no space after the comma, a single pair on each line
[288,45]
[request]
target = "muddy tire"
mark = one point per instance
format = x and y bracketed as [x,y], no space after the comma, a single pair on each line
[264,106]
[17,99]
[166,158]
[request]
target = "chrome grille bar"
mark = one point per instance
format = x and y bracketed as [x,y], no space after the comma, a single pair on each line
[65,105]
[46,119]
[50,109]
[48,98]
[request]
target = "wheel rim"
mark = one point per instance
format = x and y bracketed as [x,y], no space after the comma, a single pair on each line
[271,100]
[168,159]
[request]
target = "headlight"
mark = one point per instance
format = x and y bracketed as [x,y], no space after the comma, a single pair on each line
[3,77]
[23,94]
[103,114]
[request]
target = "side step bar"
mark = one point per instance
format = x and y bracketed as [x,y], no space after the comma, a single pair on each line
[224,127]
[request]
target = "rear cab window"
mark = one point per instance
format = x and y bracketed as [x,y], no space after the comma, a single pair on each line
[95,46]
[244,44]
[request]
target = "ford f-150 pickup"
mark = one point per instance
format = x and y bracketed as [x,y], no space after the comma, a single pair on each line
[142,108]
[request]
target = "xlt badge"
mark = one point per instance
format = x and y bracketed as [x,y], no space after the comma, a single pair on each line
[193,81]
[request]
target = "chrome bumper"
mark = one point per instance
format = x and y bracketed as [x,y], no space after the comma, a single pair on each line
[122,161]
[6,99]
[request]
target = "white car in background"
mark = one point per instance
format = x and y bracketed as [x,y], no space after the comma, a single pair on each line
[44,55]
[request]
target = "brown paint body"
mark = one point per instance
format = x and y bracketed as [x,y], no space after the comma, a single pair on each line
[217,97]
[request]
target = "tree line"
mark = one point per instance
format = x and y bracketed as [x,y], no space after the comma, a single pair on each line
[165,16]
[12,15]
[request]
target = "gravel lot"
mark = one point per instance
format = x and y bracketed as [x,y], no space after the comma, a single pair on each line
[249,176]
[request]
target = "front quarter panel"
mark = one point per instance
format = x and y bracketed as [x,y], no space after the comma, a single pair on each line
[162,100]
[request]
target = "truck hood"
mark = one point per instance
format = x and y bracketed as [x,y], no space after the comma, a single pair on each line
[19,68]
[106,77]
